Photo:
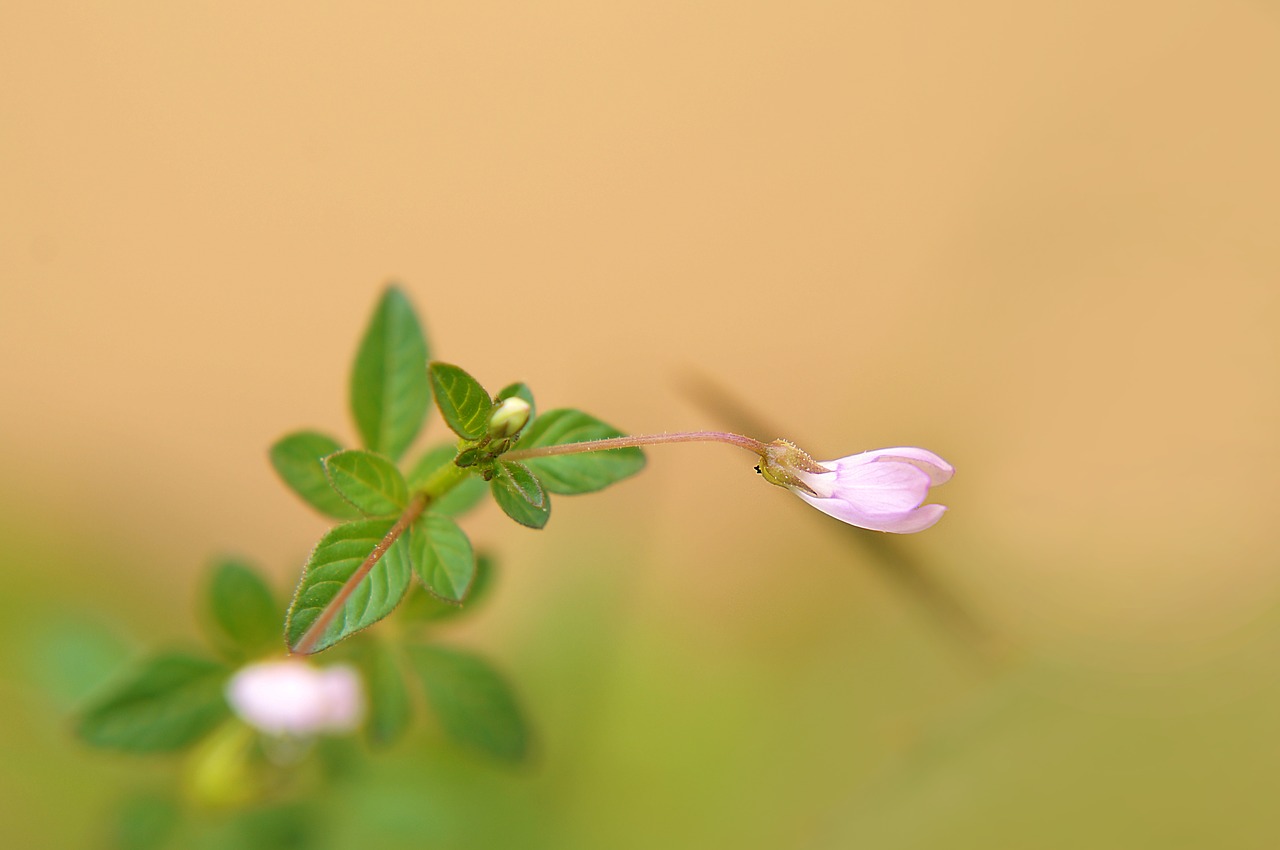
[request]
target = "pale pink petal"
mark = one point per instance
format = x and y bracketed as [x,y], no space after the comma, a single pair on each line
[342,697]
[898,522]
[938,470]
[918,520]
[291,697]
[880,488]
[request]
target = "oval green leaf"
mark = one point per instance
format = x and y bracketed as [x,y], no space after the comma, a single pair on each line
[390,710]
[147,820]
[368,481]
[298,459]
[463,403]
[476,706]
[169,703]
[442,557]
[421,605]
[240,610]
[335,560]
[390,392]
[579,473]
[520,495]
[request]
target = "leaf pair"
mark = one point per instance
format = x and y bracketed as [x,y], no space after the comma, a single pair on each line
[173,699]
[390,395]
[473,702]
[331,586]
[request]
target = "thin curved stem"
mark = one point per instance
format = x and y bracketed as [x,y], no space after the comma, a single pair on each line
[738,440]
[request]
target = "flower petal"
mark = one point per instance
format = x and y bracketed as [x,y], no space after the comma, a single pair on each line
[900,522]
[938,470]
[918,520]
[880,488]
[289,697]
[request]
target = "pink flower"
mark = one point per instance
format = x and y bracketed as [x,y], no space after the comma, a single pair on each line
[883,490]
[291,697]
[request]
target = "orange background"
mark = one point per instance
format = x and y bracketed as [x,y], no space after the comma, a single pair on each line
[1039,240]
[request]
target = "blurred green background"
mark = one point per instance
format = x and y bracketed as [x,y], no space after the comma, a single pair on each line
[1037,239]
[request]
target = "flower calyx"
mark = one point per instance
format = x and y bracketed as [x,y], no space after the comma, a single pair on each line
[784,463]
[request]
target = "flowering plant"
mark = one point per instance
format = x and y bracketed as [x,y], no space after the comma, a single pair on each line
[253,715]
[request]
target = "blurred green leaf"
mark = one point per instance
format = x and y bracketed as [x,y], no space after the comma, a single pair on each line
[462,498]
[520,495]
[423,606]
[390,392]
[390,709]
[369,481]
[442,557]
[578,473]
[462,401]
[299,460]
[287,826]
[519,390]
[146,822]
[475,705]
[335,560]
[70,655]
[241,612]
[169,703]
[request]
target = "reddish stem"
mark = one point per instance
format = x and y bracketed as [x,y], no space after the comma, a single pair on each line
[311,637]
[642,440]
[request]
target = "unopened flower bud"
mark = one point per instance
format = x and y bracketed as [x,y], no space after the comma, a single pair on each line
[882,490]
[508,417]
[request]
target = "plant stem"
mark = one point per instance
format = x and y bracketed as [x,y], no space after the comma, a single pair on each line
[306,645]
[640,440]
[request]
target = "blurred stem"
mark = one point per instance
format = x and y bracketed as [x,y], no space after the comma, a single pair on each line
[640,440]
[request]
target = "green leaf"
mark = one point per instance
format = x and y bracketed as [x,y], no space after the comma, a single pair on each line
[579,473]
[520,495]
[475,705]
[169,703]
[463,497]
[70,656]
[336,558]
[241,613]
[518,390]
[369,481]
[423,606]
[390,709]
[146,821]
[390,392]
[299,461]
[297,825]
[462,401]
[442,557]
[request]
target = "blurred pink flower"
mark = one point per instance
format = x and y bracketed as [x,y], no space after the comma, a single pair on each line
[883,490]
[291,697]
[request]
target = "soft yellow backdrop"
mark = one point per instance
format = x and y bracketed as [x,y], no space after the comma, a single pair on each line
[1039,239]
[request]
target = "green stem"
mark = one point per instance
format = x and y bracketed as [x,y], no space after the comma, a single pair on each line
[738,440]
[443,480]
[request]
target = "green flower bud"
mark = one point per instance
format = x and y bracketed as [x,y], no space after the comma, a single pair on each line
[508,418]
